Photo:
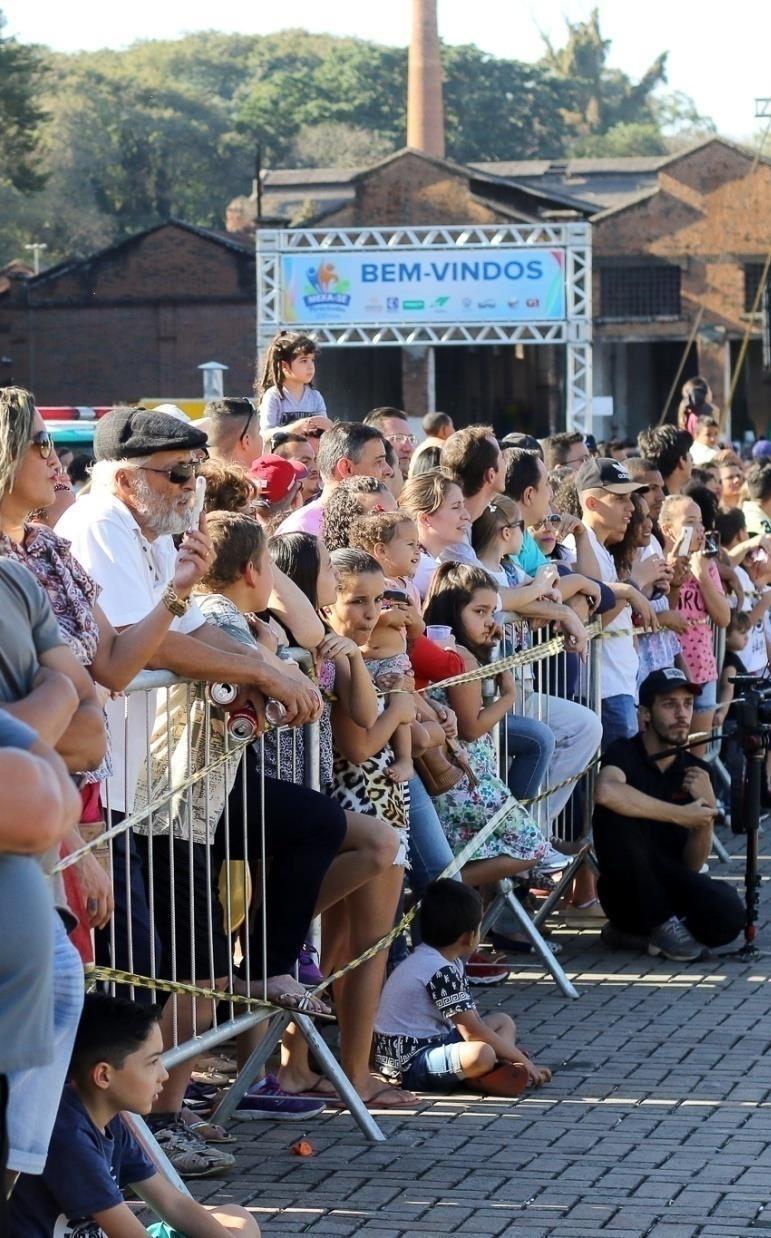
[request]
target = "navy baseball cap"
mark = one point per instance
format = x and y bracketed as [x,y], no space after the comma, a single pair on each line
[659,682]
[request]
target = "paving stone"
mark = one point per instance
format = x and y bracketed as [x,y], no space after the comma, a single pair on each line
[662,1093]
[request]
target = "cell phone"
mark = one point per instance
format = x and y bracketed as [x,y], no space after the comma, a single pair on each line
[683,548]
[711,543]
[395,595]
[198,502]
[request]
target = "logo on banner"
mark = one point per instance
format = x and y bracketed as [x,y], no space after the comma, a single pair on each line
[325,288]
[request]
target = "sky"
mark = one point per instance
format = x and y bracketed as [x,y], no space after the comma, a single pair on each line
[717,55]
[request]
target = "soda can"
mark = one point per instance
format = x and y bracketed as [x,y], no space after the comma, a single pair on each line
[275,712]
[242,724]
[222,694]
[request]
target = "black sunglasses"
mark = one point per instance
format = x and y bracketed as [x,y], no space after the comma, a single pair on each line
[43,442]
[517,524]
[178,474]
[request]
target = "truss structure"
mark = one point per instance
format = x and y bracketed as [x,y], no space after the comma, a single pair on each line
[574,331]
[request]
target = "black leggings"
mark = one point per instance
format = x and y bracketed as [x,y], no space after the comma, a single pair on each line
[303,833]
[642,886]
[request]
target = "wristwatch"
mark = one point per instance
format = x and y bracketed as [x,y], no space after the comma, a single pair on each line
[173,602]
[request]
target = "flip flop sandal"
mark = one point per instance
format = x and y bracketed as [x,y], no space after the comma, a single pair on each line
[375,1102]
[211,1132]
[295,1003]
[214,1078]
[226,1065]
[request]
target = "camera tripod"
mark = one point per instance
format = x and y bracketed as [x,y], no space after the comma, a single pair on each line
[752,711]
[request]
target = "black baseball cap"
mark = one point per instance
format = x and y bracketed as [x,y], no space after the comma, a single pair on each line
[603,473]
[659,682]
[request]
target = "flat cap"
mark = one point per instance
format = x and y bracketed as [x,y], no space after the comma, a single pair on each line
[127,432]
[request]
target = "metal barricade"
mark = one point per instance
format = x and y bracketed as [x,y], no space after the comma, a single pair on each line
[538,686]
[185,843]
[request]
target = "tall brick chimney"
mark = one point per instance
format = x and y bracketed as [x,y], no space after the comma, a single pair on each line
[425,113]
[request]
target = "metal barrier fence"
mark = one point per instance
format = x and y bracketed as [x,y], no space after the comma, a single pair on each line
[189,852]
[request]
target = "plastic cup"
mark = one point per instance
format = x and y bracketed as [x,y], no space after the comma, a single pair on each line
[439,633]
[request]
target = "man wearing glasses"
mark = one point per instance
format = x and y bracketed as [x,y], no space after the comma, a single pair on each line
[232,428]
[393,425]
[568,449]
[142,493]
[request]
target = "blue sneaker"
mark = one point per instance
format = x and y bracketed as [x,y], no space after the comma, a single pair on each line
[267,1099]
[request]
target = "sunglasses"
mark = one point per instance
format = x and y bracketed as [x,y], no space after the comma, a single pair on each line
[43,442]
[178,474]
[549,522]
[517,524]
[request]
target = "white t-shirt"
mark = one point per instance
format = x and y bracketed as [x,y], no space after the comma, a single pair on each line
[278,408]
[754,655]
[702,453]
[132,573]
[619,656]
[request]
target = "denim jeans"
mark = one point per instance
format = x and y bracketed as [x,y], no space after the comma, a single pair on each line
[429,855]
[531,746]
[35,1094]
[619,719]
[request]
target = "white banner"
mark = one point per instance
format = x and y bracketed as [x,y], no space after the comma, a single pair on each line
[521,284]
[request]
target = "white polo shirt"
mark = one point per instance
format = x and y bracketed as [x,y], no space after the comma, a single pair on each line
[132,573]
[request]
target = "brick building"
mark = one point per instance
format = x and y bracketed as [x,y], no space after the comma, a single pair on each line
[135,319]
[669,234]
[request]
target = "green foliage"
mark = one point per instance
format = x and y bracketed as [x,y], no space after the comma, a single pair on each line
[623,139]
[20,113]
[95,146]
[501,109]
[602,97]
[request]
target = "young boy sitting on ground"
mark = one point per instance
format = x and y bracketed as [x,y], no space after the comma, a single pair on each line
[428,992]
[116,1064]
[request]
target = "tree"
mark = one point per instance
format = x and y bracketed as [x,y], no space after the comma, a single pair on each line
[20,114]
[334,143]
[601,97]
[500,109]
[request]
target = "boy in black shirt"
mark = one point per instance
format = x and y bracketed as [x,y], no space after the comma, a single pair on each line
[653,832]
[116,1065]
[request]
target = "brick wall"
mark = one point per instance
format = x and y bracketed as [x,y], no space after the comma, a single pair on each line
[412,190]
[710,216]
[136,321]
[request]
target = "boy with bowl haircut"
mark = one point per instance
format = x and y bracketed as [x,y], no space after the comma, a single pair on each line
[428,1032]
[116,1065]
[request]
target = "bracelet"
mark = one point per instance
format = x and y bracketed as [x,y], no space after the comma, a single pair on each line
[173,602]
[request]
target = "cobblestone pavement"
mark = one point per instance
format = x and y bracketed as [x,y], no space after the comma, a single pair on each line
[657,1122]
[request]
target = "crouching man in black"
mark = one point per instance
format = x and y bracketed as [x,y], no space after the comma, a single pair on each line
[653,832]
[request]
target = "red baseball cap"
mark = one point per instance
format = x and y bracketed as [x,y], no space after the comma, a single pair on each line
[276,477]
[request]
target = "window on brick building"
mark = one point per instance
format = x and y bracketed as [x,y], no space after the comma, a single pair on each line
[753,272]
[651,290]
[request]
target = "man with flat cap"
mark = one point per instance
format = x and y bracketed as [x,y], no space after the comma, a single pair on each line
[654,809]
[604,487]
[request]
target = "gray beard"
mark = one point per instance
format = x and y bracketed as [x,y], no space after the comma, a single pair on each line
[157,516]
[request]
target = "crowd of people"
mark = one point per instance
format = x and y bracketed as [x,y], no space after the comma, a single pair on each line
[405,570]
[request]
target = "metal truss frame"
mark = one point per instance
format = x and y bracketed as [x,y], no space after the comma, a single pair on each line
[574,331]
